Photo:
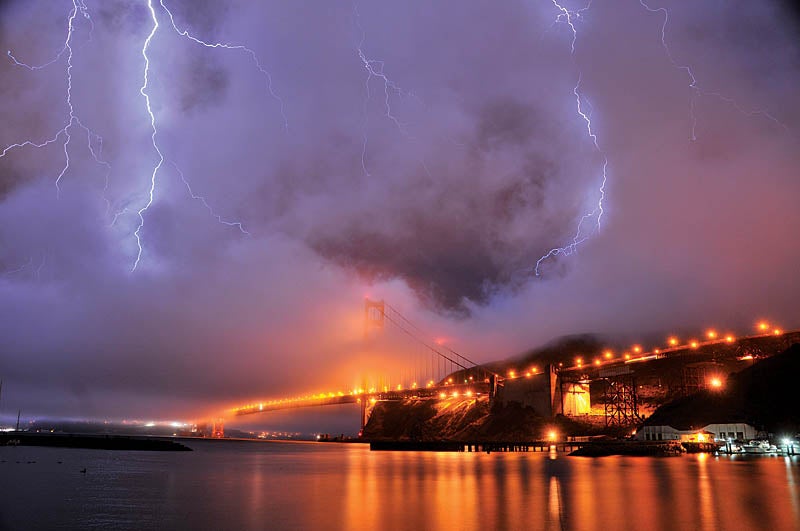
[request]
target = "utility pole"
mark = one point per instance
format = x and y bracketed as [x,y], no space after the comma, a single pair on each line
[19,412]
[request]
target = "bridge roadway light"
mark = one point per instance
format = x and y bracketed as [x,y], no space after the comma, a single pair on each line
[608,354]
[637,349]
[711,334]
[673,341]
[694,344]
[552,435]
[442,395]
[777,331]
[729,338]
[763,326]
[715,383]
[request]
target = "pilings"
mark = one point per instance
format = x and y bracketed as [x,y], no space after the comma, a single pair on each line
[488,447]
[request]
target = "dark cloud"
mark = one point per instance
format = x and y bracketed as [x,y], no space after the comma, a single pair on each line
[205,84]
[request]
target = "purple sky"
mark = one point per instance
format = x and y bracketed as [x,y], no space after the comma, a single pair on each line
[440,201]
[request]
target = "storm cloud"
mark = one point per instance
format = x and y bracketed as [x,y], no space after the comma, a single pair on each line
[436,180]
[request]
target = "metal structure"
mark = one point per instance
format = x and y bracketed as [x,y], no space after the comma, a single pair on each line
[621,407]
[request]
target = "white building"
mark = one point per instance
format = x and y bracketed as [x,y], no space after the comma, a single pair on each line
[736,431]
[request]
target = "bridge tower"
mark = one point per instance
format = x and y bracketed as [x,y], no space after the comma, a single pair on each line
[218,428]
[374,316]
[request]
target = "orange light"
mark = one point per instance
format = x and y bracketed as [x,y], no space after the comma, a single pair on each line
[637,349]
[552,435]
[711,334]
[455,394]
[527,374]
[512,374]
[578,360]
[608,354]
[777,331]
[694,344]
[715,382]
[534,370]
[442,395]
[468,393]
[627,356]
[729,338]
[673,341]
[372,400]
[657,351]
[597,362]
[763,326]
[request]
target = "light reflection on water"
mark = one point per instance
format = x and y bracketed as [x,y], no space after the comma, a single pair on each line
[229,485]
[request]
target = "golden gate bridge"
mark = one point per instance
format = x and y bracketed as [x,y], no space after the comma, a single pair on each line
[438,372]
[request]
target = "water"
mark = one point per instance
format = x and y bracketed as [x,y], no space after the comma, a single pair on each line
[269,485]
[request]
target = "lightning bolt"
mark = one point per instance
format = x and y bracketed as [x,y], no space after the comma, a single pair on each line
[41,266]
[375,69]
[696,91]
[161,159]
[78,7]
[268,77]
[20,268]
[237,224]
[567,17]
[144,93]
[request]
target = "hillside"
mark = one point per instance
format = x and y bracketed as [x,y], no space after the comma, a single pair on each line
[460,419]
[764,395]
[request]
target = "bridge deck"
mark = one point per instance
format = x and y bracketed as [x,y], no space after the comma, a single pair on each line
[467,389]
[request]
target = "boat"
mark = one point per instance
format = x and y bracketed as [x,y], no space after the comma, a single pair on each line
[759,447]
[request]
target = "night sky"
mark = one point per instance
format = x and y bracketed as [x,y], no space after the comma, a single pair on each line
[436,182]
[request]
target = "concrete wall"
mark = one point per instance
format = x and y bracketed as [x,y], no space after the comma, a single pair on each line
[539,391]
